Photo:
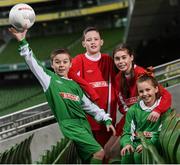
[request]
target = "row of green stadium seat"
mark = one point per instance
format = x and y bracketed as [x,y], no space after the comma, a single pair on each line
[64,152]
[18,97]
[42,46]
[18,154]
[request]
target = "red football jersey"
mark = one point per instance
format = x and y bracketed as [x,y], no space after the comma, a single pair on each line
[100,76]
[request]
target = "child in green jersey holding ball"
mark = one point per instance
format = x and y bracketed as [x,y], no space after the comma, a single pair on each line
[66,99]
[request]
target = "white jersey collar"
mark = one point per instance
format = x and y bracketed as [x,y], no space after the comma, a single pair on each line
[94,57]
[66,78]
[149,109]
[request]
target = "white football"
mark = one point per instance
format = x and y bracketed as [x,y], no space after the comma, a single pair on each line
[22,16]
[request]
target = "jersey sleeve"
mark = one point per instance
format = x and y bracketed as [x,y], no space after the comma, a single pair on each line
[123,108]
[74,74]
[166,101]
[93,110]
[84,85]
[128,130]
[34,65]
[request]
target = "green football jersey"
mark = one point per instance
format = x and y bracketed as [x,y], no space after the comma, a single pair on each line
[64,97]
[136,121]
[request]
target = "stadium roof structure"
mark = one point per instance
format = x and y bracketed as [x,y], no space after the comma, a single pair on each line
[74,13]
[154,24]
[153,18]
[13,2]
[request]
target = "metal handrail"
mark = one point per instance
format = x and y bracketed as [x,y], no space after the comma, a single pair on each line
[166,72]
[166,64]
[21,119]
[168,79]
[24,110]
[17,128]
[162,69]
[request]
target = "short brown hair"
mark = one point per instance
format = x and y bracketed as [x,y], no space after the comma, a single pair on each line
[60,51]
[88,29]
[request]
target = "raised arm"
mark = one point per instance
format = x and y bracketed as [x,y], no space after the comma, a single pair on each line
[33,64]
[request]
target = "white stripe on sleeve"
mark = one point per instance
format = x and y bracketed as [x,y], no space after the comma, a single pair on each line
[94,110]
[37,70]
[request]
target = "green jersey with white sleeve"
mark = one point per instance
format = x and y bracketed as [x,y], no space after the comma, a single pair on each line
[68,103]
[136,121]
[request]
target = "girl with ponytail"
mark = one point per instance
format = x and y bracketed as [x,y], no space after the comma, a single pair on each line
[126,92]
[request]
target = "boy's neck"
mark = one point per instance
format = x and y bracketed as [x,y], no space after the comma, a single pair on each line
[93,57]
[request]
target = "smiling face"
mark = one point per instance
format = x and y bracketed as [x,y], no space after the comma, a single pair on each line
[123,60]
[147,92]
[61,64]
[92,42]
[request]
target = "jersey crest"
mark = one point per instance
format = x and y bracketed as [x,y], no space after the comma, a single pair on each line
[59,82]
[90,71]
[98,84]
[69,96]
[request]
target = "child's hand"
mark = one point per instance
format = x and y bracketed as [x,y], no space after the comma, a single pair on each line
[147,134]
[154,116]
[111,127]
[139,148]
[18,35]
[127,148]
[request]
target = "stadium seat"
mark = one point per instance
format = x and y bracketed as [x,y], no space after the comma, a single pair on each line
[169,140]
[177,154]
[150,154]
[64,152]
[174,141]
[167,136]
[18,154]
[162,136]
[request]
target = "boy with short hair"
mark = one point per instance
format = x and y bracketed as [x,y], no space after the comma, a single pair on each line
[97,70]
